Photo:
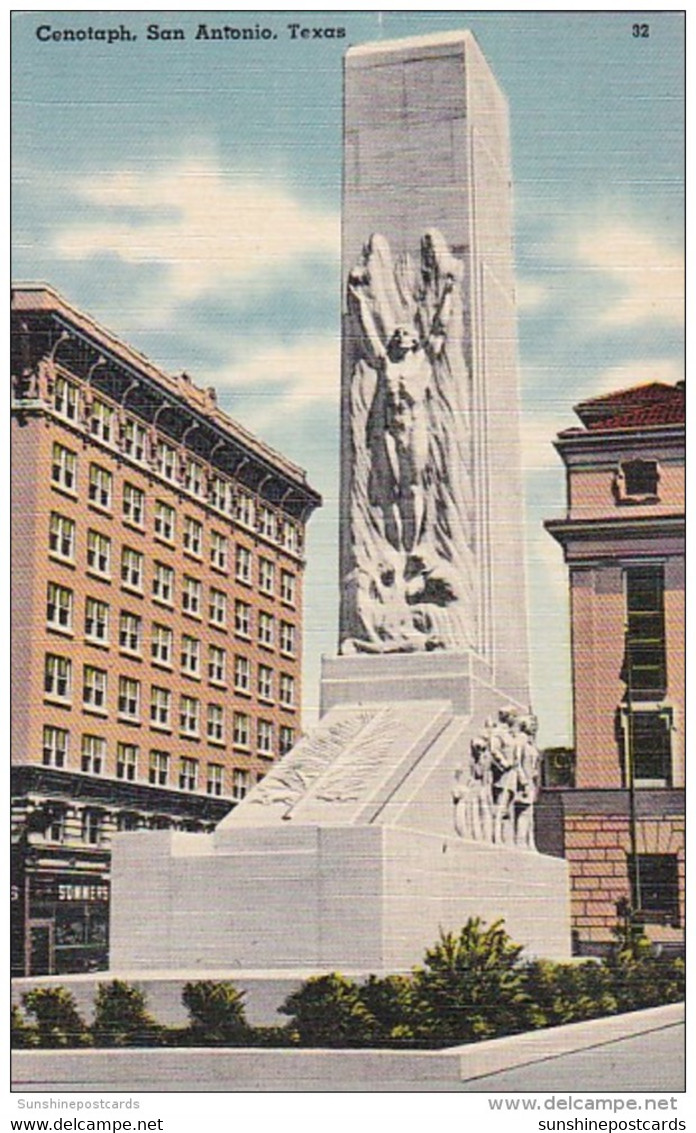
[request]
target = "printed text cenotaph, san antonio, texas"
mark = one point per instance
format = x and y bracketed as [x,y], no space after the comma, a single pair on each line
[410,806]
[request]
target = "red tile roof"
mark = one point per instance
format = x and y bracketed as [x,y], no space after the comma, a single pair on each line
[648,405]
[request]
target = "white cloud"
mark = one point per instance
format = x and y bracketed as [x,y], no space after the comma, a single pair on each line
[203,226]
[531,295]
[636,373]
[648,270]
[301,373]
[538,432]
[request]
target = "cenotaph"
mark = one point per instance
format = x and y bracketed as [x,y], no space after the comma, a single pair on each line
[410,806]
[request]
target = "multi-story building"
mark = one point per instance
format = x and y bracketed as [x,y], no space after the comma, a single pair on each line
[620,818]
[158,554]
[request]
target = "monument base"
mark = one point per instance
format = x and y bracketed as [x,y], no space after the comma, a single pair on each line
[323,898]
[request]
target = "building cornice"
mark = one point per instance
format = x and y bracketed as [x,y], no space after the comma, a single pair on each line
[621,527]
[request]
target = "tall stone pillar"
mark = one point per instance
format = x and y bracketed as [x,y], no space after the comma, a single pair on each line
[427,166]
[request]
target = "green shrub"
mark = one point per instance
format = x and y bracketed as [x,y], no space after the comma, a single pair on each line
[389,1000]
[216,1013]
[58,1022]
[472,987]
[639,978]
[22,1034]
[567,993]
[329,1011]
[121,1017]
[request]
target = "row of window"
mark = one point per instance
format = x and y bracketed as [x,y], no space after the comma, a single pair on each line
[60,606]
[58,683]
[62,532]
[172,464]
[93,754]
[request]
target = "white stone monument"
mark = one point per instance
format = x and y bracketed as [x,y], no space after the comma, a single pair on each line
[410,806]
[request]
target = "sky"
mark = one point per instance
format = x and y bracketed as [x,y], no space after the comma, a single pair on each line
[187,194]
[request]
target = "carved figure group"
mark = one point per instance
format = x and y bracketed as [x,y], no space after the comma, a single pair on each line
[410,584]
[494,794]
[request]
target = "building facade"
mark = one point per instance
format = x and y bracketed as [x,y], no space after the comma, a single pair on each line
[158,555]
[619,818]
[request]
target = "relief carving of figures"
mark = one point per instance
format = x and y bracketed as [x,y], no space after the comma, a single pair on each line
[494,796]
[410,584]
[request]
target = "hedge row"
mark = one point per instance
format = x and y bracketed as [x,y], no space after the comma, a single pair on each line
[472,986]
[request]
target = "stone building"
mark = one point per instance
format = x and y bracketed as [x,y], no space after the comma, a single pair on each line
[620,818]
[158,555]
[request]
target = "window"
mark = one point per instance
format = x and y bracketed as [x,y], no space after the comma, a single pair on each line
[241,730]
[163,584]
[242,674]
[218,607]
[265,682]
[287,587]
[266,576]
[132,569]
[130,632]
[166,461]
[58,676]
[189,716]
[651,747]
[645,670]
[160,707]
[100,485]
[55,746]
[220,493]
[164,521]
[101,420]
[134,439]
[64,468]
[287,690]
[191,596]
[99,553]
[654,882]
[266,522]
[264,736]
[214,780]
[287,638]
[133,505]
[193,477]
[92,826]
[94,687]
[158,770]
[216,665]
[61,537]
[190,655]
[96,621]
[129,698]
[162,644]
[290,538]
[638,480]
[218,550]
[240,783]
[127,762]
[59,606]
[266,629]
[127,820]
[188,774]
[242,618]
[244,509]
[242,564]
[216,723]
[193,534]
[65,399]
[286,739]
[93,755]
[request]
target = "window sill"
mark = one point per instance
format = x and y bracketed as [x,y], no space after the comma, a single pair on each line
[243,692]
[132,721]
[164,541]
[62,631]
[132,654]
[69,492]
[166,603]
[98,574]
[95,710]
[193,615]
[97,642]
[62,559]
[61,701]
[215,742]
[166,728]
[133,526]
[220,684]
[101,509]
[166,665]
[130,588]
[195,555]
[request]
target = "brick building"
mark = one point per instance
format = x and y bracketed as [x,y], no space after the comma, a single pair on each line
[619,818]
[158,555]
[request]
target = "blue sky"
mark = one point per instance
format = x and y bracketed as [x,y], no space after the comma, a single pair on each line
[187,195]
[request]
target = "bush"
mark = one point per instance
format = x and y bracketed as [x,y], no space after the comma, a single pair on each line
[121,1017]
[567,993]
[22,1035]
[329,1011]
[390,1002]
[216,1013]
[472,987]
[58,1022]
[640,978]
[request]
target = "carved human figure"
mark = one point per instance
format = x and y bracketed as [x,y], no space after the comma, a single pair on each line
[504,759]
[528,760]
[410,499]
